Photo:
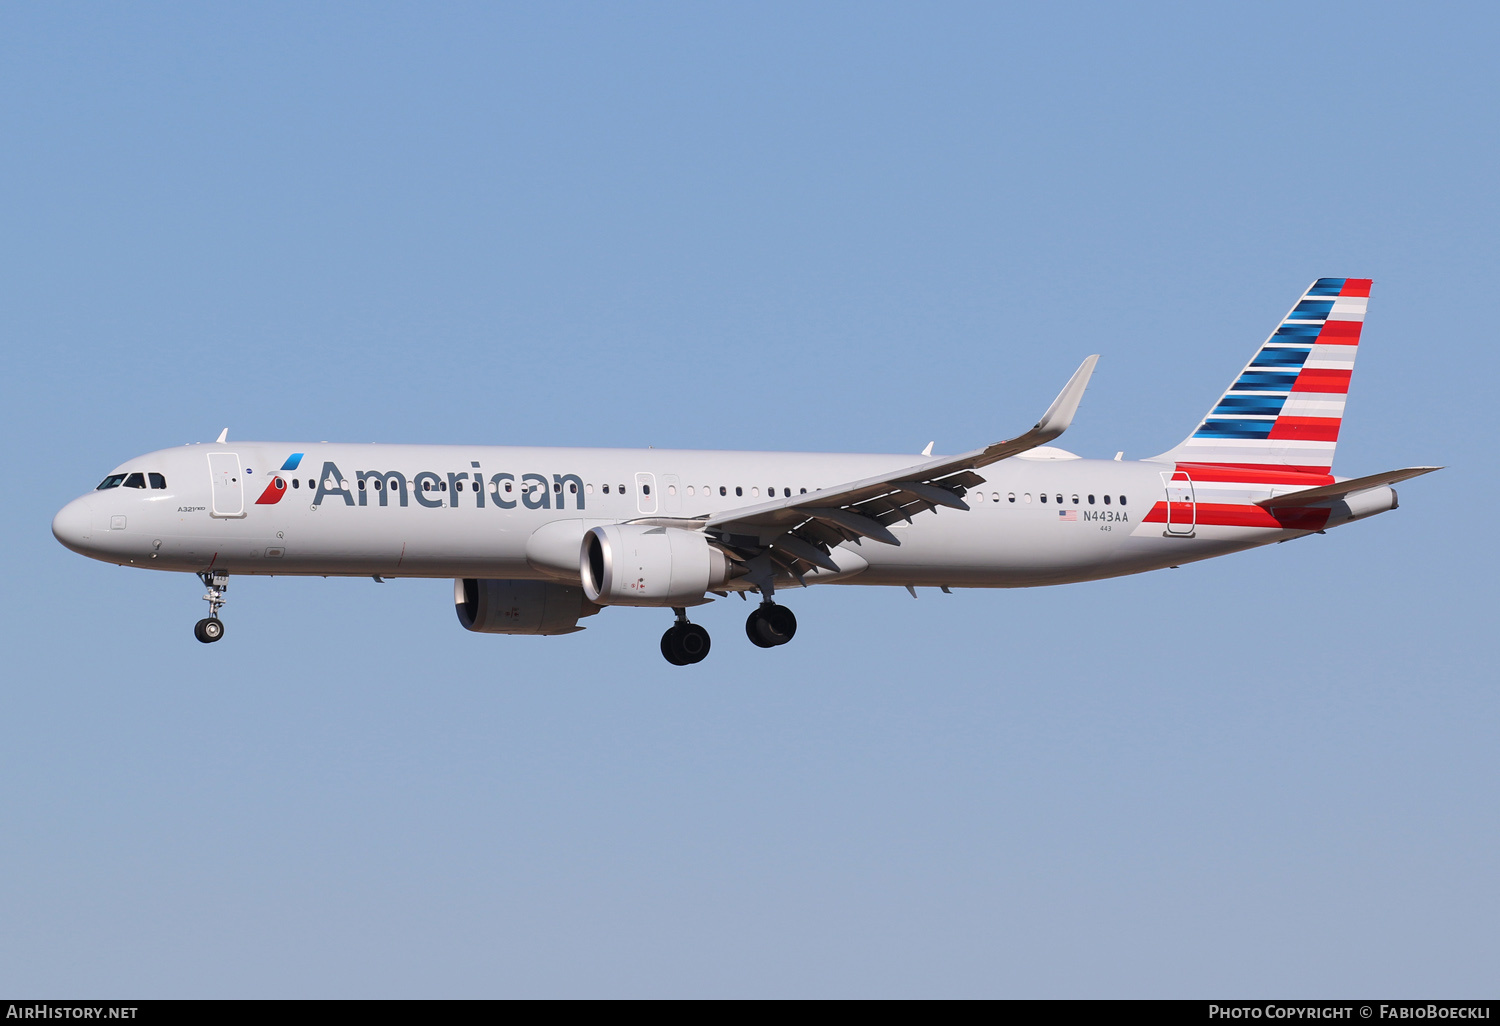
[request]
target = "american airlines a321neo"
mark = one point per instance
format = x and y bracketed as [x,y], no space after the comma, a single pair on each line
[539,539]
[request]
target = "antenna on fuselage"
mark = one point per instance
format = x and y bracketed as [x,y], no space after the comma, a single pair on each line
[223,437]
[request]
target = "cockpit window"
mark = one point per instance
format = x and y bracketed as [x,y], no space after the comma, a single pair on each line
[112,481]
[136,480]
[157,481]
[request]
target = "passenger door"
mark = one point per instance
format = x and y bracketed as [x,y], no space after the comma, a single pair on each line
[1182,509]
[227,485]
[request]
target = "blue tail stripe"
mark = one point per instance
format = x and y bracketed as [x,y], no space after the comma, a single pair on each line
[1311,309]
[1264,381]
[1298,331]
[1235,429]
[1280,358]
[1266,405]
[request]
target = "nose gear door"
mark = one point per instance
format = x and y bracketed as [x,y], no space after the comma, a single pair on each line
[227,485]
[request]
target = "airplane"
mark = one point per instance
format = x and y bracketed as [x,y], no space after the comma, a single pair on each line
[538,539]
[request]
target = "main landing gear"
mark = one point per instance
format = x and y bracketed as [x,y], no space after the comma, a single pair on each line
[771,625]
[211,628]
[687,643]
[684,643]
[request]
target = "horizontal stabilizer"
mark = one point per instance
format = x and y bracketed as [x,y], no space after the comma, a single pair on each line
[1328,493]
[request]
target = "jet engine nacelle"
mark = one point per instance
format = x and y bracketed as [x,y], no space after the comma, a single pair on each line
[637,565]
[519,607]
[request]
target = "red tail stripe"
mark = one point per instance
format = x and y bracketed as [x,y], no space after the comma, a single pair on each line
[1340,333]
[1314,380]
[1306,429]
[1356,287]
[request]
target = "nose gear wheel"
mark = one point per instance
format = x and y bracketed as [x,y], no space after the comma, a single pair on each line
[211,628]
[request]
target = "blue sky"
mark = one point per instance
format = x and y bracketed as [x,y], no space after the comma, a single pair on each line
[831,227]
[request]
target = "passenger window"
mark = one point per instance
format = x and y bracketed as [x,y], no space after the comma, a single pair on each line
[296,482]
[1044,496]
[572,487]
[442,486]
[738,490]
[1122,500]
[690,489]
[1091,500]
[755,492]
[804,491]
[136,480]
[1011,496]
[723,490]
[1027,496]
[645,489]
[311,483]
[1075,500]
[157,481]
[588,489]
[622,489]
[1059,500]
[361,484]
[112,481]
[606,489]
[995,497]
[378,484]
[1106,500]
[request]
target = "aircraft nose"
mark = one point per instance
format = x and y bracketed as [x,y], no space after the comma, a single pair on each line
[72,524]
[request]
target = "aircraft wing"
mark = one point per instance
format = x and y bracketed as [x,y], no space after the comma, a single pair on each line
[1328,493]
[798,532]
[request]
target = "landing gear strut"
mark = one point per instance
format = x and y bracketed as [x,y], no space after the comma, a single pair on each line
[771,625]
[211,628]
[684,643]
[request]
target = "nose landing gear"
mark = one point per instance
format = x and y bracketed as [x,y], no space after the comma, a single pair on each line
[684,643]
[211,628]
[770,625]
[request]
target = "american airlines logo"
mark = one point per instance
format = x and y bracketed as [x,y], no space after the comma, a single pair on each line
[429,488]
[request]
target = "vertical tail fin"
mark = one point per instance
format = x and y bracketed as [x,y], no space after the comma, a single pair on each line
[1285,408]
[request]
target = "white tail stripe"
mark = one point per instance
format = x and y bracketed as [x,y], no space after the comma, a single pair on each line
[1299,406]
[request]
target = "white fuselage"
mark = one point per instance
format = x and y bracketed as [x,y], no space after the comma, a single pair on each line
[1047,517]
